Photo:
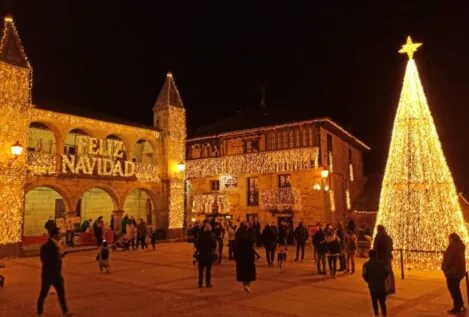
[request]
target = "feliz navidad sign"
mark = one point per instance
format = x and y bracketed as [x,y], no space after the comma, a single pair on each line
[103,157]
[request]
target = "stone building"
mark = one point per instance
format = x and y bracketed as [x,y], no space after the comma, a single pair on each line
[79,165]
[255,165]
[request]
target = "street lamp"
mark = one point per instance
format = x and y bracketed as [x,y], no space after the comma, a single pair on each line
[16,149]
[181,167]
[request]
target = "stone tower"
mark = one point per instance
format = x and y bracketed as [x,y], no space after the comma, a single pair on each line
[170,117]
[15,108]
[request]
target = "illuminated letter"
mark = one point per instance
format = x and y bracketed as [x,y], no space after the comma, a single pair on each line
[104,148]
[117,169]
[81,165]
[81,141]
[90,164]
[129,168]
[118,149]
[107,167]
[93,146]
[68,161]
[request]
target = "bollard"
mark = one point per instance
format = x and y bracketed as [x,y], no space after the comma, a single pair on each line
[402,263]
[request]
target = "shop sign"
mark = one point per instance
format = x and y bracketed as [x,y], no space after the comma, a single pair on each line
[103,157]
[230,181]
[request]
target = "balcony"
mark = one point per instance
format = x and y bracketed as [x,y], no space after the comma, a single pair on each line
[281,199]
[210,203]
[40,163]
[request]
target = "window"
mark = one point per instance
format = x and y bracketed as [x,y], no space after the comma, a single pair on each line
[59,208]
[284,181]
[215,185]
[253,192]
[251,146]
[329,150]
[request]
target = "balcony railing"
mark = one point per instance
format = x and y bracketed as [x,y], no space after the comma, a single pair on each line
[210,203]
[281,199]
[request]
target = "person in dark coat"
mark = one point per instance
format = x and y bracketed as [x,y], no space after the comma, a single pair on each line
[454,267]
[320,249]
[341,235]
[301,235]
[269,238]
[124,223]
[142,234]
[51,255]
[219,232]
[195,233]
[257,229]
[375,273]
[333,251]
[205,246]
[50,225]
[98,230]
[245,257]
[383,245]
[351,225]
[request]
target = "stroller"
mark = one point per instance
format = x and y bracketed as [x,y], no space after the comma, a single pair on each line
[121,244]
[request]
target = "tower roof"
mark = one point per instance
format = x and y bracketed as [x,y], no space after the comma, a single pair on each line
[11,50]
[169,94]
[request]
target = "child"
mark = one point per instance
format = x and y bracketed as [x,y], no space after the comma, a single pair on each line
[103,258]
[153,239]
[375,273]
[282,258]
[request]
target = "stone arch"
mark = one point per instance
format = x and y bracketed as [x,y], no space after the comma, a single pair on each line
[56,134]
[114,136]
[97,201]
[151,197]
[63,192]
[41,203]
[154,148]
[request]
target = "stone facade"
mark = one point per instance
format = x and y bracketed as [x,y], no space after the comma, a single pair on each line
[76,166]
[286,164]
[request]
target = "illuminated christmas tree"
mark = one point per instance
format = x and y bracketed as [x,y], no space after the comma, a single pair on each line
[418,204]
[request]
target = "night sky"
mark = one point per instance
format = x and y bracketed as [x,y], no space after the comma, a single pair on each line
[317,58]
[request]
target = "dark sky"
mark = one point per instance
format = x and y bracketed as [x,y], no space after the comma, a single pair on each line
[324,57]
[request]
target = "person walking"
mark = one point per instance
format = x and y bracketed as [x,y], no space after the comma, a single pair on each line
[454,268]
[130,234]
[231,238]
[245,257]
[204,252]
[351,249]
[269,239]
[351,225]
[103,258]
[320,249]
[341,235]
[375,272]
[301,235]
[98,230]
[219,236]
[51,255]
[383,245]
[141,234]
[333,251]
[153,236]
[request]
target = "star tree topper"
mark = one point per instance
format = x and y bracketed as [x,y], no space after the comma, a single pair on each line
[410,48]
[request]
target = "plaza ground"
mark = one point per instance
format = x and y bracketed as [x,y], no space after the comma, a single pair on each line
[164,283]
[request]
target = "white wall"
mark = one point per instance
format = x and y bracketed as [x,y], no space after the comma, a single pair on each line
[39,206]
[136,205]
[96,202]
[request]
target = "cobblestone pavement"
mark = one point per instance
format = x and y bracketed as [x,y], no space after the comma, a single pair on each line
[163,283]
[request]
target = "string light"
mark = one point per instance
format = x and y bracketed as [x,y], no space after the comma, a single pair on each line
[332,200]
[15,107]
[347,199]
[281,199]
[254,163]
[418,204]
[204,203]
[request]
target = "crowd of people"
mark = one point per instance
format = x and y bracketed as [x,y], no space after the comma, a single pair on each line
[335,244]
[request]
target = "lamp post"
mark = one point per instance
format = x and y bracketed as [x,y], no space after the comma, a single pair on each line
[181,167]
[16,150]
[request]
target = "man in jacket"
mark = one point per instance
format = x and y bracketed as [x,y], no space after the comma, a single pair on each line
[205,246]
[383,245]
[301,235]
[51,255]
[375,273]
[454,267]
[141,234]
[269,238]
[320,249]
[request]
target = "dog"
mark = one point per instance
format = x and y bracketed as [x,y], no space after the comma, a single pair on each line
[282,258]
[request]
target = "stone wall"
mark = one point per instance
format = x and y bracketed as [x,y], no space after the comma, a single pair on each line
[39,206]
